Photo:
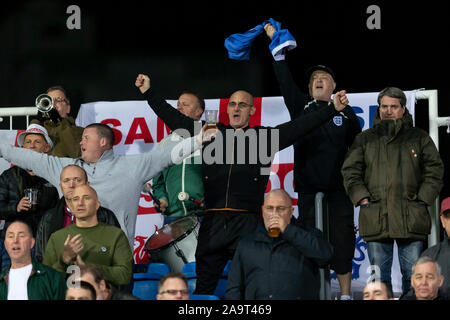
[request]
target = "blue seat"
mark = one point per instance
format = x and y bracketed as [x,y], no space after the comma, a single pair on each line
[222,284]
[159,268]
[192,283]
[226,269]
[154,271]
[191,276]
[188,268]
[145,289]
[203,297]
[221,288]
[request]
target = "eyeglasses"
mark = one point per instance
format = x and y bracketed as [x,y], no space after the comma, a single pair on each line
[277,209]
[59,100]
[174,292]
[240,104]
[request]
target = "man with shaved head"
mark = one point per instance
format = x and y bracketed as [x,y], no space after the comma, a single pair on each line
[235,169]
[60,216]
[283,265]
[90,241]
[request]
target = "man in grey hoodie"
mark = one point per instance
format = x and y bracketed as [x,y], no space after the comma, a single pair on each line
[118,180]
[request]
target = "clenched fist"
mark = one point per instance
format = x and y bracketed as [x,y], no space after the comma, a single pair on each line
[142,82]
[340,100]
[270,30]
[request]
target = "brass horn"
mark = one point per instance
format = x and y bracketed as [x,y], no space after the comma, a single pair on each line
[44,103]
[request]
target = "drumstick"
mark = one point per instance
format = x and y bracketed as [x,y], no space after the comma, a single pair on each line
[147,189]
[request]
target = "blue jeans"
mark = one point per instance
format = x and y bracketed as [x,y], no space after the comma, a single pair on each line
[381,255]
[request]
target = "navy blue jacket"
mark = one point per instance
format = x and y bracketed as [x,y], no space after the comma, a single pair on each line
[284,268]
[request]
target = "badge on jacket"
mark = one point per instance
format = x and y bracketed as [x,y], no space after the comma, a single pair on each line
[337,120]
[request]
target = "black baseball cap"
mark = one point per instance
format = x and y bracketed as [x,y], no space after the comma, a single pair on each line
[310,71]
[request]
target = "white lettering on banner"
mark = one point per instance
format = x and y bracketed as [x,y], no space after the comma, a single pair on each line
[135,121]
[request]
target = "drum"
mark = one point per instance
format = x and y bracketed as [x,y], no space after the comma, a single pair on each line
[175,243]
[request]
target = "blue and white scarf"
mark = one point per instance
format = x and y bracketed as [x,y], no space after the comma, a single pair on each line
[238,44]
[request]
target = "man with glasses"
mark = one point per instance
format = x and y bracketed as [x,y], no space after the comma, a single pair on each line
[60,126]
[173,286]
[278,267]
[235,169]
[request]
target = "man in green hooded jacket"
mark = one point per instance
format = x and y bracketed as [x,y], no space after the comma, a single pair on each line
[179,188]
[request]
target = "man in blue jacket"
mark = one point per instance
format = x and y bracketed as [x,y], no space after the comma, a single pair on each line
[283,267]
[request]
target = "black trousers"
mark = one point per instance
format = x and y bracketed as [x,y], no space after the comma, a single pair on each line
[338,225]
[217,241]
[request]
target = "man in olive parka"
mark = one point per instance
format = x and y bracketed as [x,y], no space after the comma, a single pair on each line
[393,171]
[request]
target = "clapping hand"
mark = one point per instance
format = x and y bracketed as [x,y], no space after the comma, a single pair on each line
[72,247]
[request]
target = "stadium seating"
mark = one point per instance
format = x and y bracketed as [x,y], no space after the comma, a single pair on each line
[203,297]
[146,283]
[191,276]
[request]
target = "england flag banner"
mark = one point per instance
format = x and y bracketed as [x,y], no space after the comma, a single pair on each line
[137,130]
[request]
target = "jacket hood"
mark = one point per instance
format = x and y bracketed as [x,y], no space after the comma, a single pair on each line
[407,119]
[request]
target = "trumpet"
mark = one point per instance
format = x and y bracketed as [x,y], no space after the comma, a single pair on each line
[44,103]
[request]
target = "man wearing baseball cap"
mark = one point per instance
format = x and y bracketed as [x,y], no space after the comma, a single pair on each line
[318,158]
[13,204]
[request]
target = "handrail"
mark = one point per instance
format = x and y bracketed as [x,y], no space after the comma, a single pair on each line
[324,273]
[18,111]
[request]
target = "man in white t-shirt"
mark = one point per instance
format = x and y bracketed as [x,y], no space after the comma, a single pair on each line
[27,279]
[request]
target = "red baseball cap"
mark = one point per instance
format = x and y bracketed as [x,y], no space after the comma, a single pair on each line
[445,205]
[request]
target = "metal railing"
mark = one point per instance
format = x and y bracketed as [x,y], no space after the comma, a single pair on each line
[19,111]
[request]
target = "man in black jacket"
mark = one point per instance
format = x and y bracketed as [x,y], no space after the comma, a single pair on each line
[318,158]
[283,267]
[60,216]
[235,171]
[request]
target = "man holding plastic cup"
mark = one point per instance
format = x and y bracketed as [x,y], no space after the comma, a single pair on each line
[235,171]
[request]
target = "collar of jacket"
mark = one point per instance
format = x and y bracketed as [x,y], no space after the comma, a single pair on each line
[107,155]
[316,103]
[243,129]
[35,269]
